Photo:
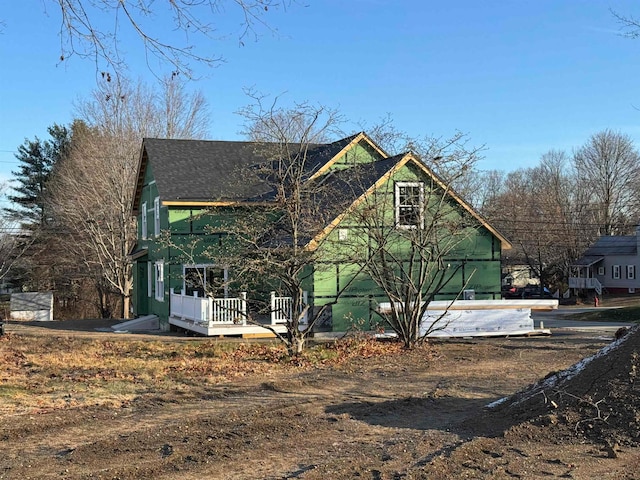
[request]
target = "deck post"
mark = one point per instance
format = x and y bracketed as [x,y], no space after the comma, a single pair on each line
[273,308]
[305,302]
[208,318]
[243,307]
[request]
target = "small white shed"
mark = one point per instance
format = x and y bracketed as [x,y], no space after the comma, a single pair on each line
[32,306]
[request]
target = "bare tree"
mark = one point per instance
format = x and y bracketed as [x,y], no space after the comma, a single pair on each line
[415,255]
[481,187]
[91,190]
[608,166]
[273,237]
[629,24]
[474,186]
[545,211]
[93,29]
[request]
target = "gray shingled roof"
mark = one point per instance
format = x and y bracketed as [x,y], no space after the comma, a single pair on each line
[588,260]
[332,194]
[201,170]
[608,246]
[614,245]
[351,183]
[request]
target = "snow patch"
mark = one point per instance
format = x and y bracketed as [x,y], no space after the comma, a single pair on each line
[559,377]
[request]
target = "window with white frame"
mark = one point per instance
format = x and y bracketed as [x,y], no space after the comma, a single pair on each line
[149,280]
[205,280]
[631,272]
[600,271]
[409,200]
[159,280]
[615,272]
[143,221]
[156,216]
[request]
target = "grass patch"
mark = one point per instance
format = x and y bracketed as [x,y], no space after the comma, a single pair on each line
[11,391]
[624,314]
[48,373]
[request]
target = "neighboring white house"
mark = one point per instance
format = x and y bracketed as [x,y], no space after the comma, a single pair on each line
[518,276]
[610,264]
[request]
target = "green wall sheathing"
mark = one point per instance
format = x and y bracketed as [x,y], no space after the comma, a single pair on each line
[360,153]
[474,261]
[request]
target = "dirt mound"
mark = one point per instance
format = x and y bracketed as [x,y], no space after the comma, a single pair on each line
[597,399]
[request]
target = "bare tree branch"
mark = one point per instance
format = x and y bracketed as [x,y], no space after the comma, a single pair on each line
[86,33]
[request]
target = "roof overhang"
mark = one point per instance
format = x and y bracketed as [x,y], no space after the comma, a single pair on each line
[138,253]
[217,203]
[411,158]
[361,137]
[140,172]
[587,261]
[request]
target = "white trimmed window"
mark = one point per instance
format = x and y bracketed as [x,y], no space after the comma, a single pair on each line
[409,200]
[159,280]
[149,280]
[143,222]
[156,216]
[631,271]
[615,272]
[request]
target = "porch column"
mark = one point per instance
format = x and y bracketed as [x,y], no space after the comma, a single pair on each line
[243,307]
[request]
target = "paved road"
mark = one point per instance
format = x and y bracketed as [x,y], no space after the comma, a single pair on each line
[557,319]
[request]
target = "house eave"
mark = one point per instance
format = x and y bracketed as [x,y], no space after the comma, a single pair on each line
[212,203]
[588,261]
[138,253]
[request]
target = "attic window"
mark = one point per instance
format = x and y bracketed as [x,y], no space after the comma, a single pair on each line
[409,200]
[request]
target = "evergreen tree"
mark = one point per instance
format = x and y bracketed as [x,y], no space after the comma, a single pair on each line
[37,159]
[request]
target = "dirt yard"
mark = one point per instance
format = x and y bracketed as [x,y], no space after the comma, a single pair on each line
[80,406]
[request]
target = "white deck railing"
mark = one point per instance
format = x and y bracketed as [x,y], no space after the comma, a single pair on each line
[281,309]
[217,311]
[586,283]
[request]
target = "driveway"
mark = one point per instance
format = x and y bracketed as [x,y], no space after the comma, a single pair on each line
[558,319]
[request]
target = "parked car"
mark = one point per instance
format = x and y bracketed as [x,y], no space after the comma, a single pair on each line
[530,291]
[509,291]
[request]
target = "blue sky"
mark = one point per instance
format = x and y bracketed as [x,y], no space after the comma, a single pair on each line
[520,77]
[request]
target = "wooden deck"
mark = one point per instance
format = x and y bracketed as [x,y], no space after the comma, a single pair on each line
[218,330]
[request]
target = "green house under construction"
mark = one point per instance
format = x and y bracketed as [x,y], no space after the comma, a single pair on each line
[184,187]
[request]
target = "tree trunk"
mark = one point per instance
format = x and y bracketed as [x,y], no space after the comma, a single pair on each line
[296,345]
[126,305]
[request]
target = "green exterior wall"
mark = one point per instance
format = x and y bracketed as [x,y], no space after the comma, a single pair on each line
[144,298]
[480,256]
